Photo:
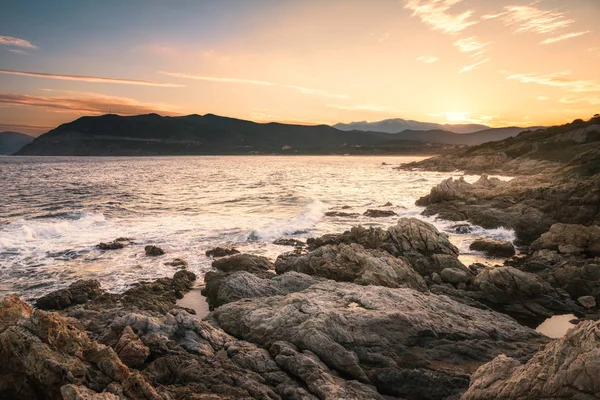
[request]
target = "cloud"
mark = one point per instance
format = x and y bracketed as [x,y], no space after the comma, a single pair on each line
[18,51]
[543,98]
[532,19]
[471,67]
[85,103]
[563,37]
[23,128]
[83,78]
[16,42]
[218,79]
[363,107]
[471,44]
[577,99]
[558,79]
[436,14]
[427,59]
[316,92]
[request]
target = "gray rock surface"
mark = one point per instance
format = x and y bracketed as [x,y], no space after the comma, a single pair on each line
[494,248]
[570,239]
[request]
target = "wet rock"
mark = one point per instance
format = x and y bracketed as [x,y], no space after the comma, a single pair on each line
[177,262]
[388,204]
[153,251]
[353,263]
[455,276]
[289,242]
[131,349]
[587,301]
[565,369]
[405,343]
[341,214]
[374,213]
[78,292]
[462,229]
[418,242]
[116,244]
[570,239]
[493,248]
[243,262]
[221,252]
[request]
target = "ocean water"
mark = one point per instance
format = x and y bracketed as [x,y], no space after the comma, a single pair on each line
[54,210]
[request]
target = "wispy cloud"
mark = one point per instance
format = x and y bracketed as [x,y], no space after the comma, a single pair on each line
[558,79]
[427,59]
[579,99]
[316,92]
[542,98]
[563,37]
[18,51]
[86,104]
[436,13]
[363,107]
[301,89]
[83,78]
[471,67]
[532,19]
[24,128]
[16,42]
[217,79]
[471,44]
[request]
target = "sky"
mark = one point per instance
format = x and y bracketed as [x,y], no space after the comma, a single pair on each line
[495,62]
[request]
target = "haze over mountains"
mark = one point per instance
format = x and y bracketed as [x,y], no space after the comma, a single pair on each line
[396,125]
[152,134]
[11,142]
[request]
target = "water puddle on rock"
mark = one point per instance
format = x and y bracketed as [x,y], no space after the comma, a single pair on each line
[194,300]
[556,326]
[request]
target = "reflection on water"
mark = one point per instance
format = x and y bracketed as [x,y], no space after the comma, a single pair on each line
[194,300]
[556,326]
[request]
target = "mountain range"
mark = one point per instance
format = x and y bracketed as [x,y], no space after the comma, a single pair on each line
[396,125]
[152,134]
[11,142]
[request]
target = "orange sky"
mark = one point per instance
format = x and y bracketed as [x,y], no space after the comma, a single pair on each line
[494,62]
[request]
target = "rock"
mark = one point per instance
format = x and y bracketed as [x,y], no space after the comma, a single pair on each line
[455,276]
[78,292]
[154,251]
[493,248]
[462,229]
[243,262]
[116,244]
[404,342]
[289,242]
[341,214]
[353,263]
[436,278]
[570,239]
[418,242]
[177,262]
[587,301]
[80,392]
[221,252]
[373,213]
[388,204]
[131,350]
[567,368]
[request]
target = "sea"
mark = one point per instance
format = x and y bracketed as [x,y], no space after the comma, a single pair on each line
[55,210]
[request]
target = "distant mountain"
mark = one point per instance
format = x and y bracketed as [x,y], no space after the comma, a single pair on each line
[11,142]
[152,134]
[396,125]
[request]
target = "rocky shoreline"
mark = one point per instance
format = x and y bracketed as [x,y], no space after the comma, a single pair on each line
[370,313]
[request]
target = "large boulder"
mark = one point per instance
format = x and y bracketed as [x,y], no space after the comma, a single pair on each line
[243,262]
[493,248]
[78,292]
[565,369]
[404,342]
[353,263]
[570,239]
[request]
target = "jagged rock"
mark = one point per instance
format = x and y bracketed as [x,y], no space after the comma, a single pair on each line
[80,392]
[341,214]
[116,244]
[353,263]
[587,301]
[177,262]
[221,252]
[404,342]
[243,262]
[154,251]
[570,239]
[131,349]
[78,292]
[567,368]
[493,248]
[418,242]
[289,242]
[436,278]
[462,229]
[455,276]
[373,213]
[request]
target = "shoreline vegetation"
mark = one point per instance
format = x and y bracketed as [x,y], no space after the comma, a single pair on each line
[370,313]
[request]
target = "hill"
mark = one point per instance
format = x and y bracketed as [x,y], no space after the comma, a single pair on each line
[11,142]
[573,147]
[396,125]
[152,134]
